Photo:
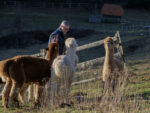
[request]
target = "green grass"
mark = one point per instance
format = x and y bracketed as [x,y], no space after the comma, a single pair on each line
[37,19]
[136,86]
[141,79]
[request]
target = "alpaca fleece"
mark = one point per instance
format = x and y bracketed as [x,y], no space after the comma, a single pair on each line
[24,70]
[110,63]
[63,69]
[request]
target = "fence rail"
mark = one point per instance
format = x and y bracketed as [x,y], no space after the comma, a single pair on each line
[94,44]
[86,81]
[86,64]
[80,48]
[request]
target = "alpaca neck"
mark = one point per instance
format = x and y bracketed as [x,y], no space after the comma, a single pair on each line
[52,53]
[109,59]
[71,53]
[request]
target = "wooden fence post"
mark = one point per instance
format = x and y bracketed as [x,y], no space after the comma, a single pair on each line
[119,48]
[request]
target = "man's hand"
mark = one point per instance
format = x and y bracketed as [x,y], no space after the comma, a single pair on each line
[54,38]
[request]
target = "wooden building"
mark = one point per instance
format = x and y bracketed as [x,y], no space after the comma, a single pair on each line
[112,13]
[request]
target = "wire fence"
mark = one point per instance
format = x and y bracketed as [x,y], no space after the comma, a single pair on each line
[131,28]
[45,4]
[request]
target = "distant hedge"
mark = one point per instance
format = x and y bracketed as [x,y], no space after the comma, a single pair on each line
[134,4]
[138,4]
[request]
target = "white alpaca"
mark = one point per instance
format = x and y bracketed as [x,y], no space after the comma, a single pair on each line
[62,71]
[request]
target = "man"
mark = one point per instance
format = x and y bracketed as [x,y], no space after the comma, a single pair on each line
[59,36]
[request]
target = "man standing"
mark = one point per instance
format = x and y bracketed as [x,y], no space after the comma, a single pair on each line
[59,36]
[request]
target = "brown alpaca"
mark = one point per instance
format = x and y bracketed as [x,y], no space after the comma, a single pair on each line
[110,63]
[20,71]
[32,88]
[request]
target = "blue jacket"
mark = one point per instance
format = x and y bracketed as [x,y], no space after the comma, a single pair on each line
[58,36]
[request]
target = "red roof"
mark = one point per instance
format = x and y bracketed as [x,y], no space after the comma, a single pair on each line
[112,10]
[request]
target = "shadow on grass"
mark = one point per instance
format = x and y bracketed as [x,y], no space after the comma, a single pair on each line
[145,95]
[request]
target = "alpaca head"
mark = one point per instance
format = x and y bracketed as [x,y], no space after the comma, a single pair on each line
[109,43]
[71,43]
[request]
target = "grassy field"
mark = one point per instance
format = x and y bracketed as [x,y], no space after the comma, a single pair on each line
[138,86]
[137,89]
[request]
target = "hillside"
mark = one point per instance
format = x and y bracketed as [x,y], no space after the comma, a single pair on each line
[136,96]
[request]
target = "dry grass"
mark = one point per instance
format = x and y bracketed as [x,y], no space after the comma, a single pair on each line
[118,95]
[131,94]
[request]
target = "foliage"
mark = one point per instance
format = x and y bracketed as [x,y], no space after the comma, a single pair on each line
[134,4]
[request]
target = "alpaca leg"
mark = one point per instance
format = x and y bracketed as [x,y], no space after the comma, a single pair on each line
[17,74]
[31,93]
[54,87]
[38,95]
[67,94]
[14,93]
[0,96]
[105,87]
[1,87]
[6,92]
[54,93]
[22,93]
[114,85]
[48,90]
[53,81]
[67,90]
[68,86]
[34,92]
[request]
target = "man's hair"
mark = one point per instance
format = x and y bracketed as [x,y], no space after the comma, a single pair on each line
[65,23]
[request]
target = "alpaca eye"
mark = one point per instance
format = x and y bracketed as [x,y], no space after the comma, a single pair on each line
[111,42]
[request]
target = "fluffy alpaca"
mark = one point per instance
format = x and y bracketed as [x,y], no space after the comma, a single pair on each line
[32,88]
[110,63]
[62,71]
[20,71]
